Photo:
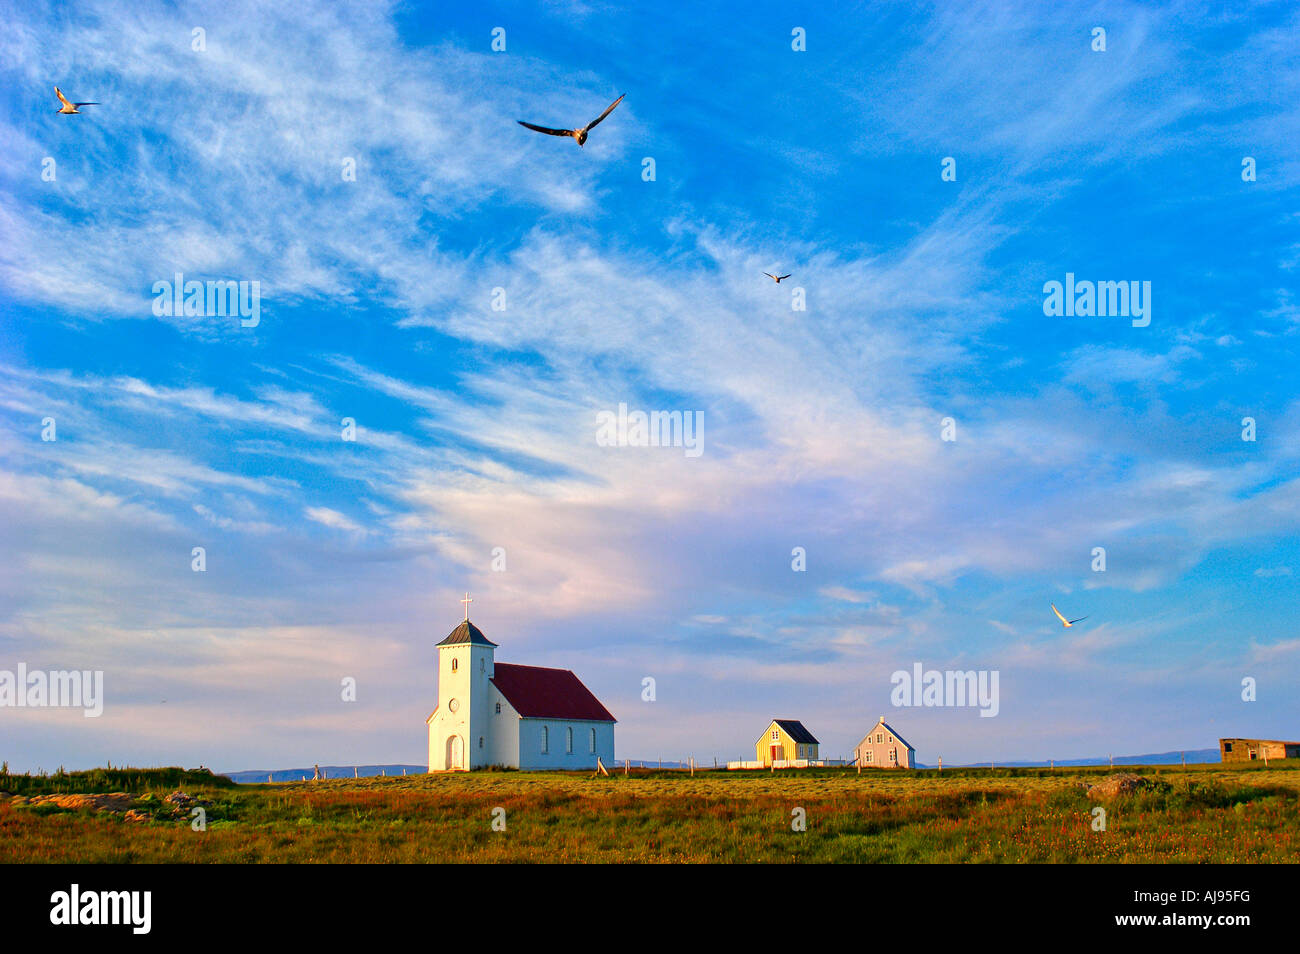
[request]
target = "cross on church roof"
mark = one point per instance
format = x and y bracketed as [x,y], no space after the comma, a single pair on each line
[467,601]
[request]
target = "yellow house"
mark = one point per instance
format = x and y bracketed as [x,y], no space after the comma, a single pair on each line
[785,740]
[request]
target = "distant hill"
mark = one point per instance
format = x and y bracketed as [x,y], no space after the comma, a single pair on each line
[1193,757]
[326,771]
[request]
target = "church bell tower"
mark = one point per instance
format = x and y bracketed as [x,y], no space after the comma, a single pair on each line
[458,735]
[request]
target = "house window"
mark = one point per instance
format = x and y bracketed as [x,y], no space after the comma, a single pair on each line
[455,664]
[593,740]
[568,739]
[776,735]
[498,708]
[480,741]
[1227,746]
[880,737]
[482,665]
[546,739]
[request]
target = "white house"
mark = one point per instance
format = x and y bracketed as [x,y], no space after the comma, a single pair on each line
[883,747]
[524,717]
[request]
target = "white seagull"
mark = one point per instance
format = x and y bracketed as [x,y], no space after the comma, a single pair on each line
[69,108]
[579,134]
[1067,623]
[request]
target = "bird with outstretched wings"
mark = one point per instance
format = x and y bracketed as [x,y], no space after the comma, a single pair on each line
[1067,623]
[776,278]
[579,134]
[68,108]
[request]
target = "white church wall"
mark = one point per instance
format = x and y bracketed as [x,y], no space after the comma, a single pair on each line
[531,755]
[463,673]
[503,731]
[443,726]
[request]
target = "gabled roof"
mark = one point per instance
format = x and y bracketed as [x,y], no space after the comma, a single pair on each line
[539,693]
[882,724]
[466,632]
[794,728]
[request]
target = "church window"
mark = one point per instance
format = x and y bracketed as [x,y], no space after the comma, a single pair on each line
[498,708]
[480,741]
[568,739]
[868,754]
[455,664]
[878,737]
[482,665]
[546,739]
[593,740]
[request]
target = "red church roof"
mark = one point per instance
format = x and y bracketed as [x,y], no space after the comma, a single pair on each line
[538,693]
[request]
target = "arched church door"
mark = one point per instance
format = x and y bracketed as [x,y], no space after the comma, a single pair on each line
[455,753]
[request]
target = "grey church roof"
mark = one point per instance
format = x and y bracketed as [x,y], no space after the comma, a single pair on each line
[466,632]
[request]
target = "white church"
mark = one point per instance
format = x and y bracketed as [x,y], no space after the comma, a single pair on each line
[524,717]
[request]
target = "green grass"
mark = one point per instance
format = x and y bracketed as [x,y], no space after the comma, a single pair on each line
[103,780]
[1194,814]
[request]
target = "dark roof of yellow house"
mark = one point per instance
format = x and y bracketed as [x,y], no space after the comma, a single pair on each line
[794,728]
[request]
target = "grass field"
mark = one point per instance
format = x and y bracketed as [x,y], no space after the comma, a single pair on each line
[1194,814]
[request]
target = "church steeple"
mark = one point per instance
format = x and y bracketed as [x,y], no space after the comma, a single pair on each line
[467,632]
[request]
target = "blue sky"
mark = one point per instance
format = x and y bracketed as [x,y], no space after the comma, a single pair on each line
[329,559]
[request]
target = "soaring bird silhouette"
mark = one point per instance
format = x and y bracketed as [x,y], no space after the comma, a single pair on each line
[578,134]
[775,278]
[1067,623]
[69,108]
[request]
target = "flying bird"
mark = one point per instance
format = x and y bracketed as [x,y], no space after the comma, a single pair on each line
[775,278]
[1067,623]
[578,134]
[69,108]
